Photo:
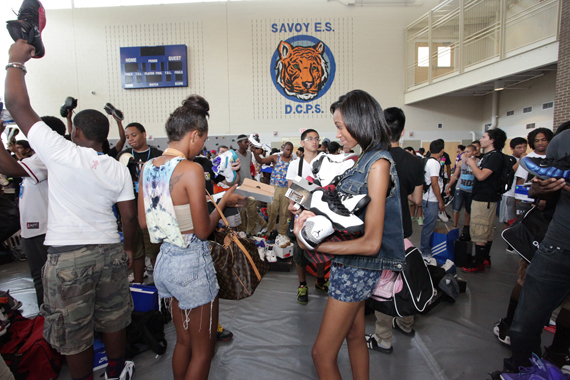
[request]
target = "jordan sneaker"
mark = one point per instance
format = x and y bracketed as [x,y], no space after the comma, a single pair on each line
[442,215]
[223,165]
[254,140]
[546,168]
[108,107]
[354,203]
[328,168]
[501,331]
[327,202]
[282,241]
[69,105]
[314,231]
[11,133]
[29,25]
[270,254]
[127,373]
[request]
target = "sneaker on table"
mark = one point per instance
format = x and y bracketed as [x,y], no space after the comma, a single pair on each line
[270,255]
[303,295]
[272,236]
[282,241]
[501,330]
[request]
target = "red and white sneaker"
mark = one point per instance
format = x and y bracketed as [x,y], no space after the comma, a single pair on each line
[29,25]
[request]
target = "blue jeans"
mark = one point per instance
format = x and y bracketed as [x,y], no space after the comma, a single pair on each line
[430,210]
[546,285]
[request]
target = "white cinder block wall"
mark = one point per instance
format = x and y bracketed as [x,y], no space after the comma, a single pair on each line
[230,46]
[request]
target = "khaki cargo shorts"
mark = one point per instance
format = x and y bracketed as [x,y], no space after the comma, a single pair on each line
[143,247]
[482,221]
[85,290]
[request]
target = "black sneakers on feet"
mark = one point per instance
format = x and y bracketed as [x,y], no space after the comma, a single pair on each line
[69,105]
[303,295]
[465,235]
[372,344]
[113,111]
[224,335]
[324,287]
[501,330]
[562,360]
[29,25]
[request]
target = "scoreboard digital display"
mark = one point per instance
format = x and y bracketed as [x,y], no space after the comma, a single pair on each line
[154,66]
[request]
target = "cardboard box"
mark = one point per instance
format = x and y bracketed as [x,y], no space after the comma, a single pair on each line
[100,355]
[145,298]
[256,190]
[442,243]
[283,253]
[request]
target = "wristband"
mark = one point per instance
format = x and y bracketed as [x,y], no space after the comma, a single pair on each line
[17,65]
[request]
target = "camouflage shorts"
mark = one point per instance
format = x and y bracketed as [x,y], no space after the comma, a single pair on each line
[85,290]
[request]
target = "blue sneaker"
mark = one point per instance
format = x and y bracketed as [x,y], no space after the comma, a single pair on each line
[540,370]
[546,168]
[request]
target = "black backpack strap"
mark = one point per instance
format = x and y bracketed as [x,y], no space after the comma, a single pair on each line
[300,170]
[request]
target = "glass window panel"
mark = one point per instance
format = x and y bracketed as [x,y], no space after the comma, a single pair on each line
[423,56]
[444,56]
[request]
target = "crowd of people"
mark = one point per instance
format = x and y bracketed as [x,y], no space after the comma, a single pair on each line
[77,191]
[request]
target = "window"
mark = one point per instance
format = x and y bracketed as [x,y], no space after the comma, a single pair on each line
[423,56]
[527,110]
[511,113]
[444,56]
[548,105]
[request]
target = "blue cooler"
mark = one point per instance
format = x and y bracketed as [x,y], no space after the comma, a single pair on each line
[100,355]
[145,297]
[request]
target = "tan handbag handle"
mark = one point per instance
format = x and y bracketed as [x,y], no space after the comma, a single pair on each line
[235,238]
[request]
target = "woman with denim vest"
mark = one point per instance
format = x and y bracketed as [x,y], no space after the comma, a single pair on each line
[358,264]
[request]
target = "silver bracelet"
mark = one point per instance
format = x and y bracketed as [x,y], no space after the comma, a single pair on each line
[17,65]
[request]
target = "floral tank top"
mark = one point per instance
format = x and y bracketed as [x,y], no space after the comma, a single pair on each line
[159,209]
[279,175]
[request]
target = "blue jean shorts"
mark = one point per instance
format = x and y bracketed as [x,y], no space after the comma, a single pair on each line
[461,198]
[186,274]
[349,284]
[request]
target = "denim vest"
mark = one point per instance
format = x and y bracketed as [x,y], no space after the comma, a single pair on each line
[392,252]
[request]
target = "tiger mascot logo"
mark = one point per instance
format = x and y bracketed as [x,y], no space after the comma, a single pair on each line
[301,71]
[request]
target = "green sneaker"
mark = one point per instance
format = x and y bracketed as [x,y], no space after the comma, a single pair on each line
[322,287]
[420,220]
[414,218]
[303,295]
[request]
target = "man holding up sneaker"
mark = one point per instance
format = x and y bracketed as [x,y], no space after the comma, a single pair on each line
[486,196]
[432,202]
[85,276]
[302,168]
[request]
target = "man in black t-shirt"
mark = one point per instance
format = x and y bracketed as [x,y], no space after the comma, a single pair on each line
[411,177]
[141,152]
[485,196]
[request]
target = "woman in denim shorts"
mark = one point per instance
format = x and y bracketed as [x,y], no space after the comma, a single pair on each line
[173,208]
[358,263]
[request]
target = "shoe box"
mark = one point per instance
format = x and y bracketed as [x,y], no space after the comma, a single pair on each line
[283,253]
[145,297]
[100,355]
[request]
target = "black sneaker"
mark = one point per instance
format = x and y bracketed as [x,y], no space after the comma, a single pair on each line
[224,335]
[324,287]
[303,295]
[561,360]
[546,168]
[113,111]
[396,326]
[465,235]
[272,236]
[372,344]
[69,105]
[501,330]
[29,25]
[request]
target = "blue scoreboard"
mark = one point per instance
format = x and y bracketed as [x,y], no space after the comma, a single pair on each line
[154,66]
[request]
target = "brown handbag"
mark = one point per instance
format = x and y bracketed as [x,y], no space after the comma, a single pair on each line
[239,268]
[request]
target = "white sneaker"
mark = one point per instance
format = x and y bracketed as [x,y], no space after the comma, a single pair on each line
[326,169]
[131,277]
[282,241]
[261,252]
[127,374]
[328,203]
[315,230]
[442,215]
[270,255]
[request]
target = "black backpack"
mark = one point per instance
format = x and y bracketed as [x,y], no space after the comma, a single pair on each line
[146,330]
[416,294]
[506,174]
[441,172]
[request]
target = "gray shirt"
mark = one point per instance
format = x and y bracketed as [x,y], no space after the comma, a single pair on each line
[245,171]
[559,229]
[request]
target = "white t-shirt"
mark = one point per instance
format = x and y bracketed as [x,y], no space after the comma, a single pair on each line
[83,187]
[33,198]
[433,167]
[511,192]
[293,170]
[521,172]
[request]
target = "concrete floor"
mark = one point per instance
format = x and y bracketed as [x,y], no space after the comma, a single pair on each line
[273,334]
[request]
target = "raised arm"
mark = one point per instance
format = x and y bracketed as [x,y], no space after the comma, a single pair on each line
[122,137]
[264,160]
[16,93]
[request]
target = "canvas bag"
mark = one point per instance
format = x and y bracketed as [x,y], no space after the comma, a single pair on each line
[239,268]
